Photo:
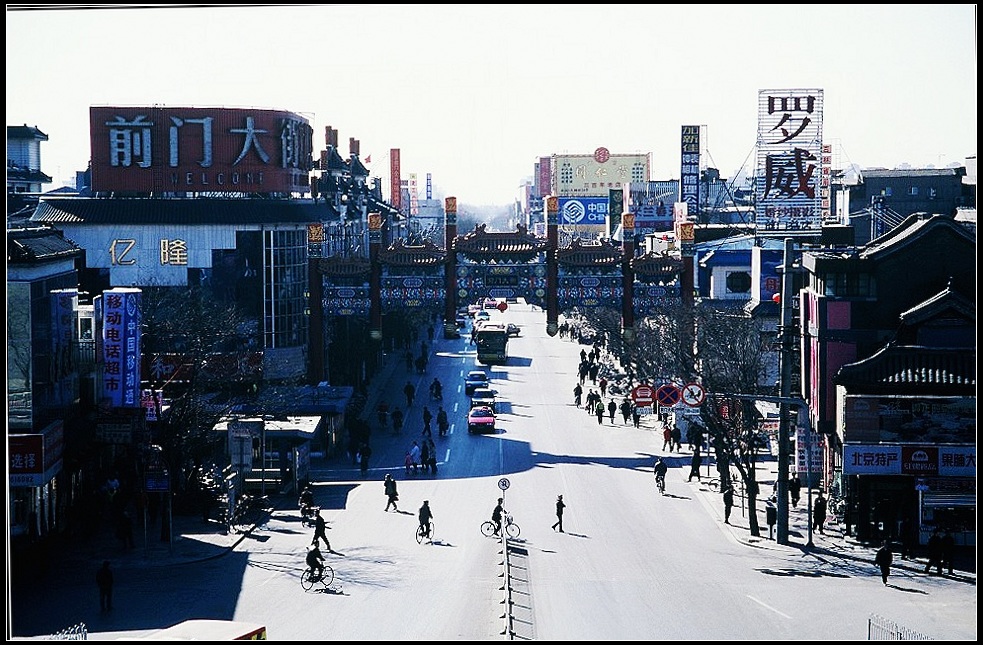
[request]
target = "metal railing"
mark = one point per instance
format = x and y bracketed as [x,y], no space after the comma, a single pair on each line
[882,629]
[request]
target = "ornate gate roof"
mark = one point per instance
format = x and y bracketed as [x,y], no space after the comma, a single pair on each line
[516,246]
[349,267]
[653,267]
[590,254]
[402,254]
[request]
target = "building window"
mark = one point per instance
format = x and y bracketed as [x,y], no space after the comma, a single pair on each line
[932,193]
[738,282]
[887,192]
[849,285]
[913,191]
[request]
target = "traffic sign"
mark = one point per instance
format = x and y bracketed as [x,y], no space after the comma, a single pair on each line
[693,395]
[667,395]
[642,395]
[504,483]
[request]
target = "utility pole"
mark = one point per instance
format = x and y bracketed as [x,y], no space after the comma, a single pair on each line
[785,389]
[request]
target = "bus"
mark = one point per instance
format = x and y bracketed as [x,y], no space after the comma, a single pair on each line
[492,339]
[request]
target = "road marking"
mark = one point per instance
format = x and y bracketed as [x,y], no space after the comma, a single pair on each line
[769,607]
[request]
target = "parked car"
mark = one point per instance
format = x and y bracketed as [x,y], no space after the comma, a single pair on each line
[482,315]
[511,329]
[475,379]
[481,419]
[483,396]
[490,303]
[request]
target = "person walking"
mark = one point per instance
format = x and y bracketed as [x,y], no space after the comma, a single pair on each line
[819,514]
[909,537]
[104,580]
[794,489]
[559,513]
[410,392]
[883,560]
[612,410]
[677,438]
[389,485]
[626,410]
[603,384]
[578,392]
[728,502]
[364,453]
[934,552]
[636,415]
[427,418]
[319,531]
[666,437]
[415,456]
[442,423]
[599,411]
[947,550]
[694,465]
[425,455]
[397,416]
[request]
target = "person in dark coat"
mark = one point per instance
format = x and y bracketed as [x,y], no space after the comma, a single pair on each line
[694,465]
[819,513]
[392,496]
[948,550]
[612,409]
[794,489]
[934,552]
[559,513]
[319,531]
[599,411]
[104,580]
[883,560]
[364,453]
[728,502]
[677,438]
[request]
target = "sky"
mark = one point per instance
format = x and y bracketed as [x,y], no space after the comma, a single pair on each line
[474,95]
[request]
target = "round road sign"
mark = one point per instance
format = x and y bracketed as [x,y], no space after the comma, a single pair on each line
[667,395]
[503,483]
[693,395]
[642,395]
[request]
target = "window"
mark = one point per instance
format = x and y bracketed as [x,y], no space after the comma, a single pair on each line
[846,285]
[913,191]
[738,282]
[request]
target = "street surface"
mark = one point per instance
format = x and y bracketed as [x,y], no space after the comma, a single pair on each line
[630,564]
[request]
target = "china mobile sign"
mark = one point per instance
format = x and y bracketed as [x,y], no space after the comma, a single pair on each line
[790,160]
[193,149]
[121,350]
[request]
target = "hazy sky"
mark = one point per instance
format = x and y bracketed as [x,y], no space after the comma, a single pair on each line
[475,94]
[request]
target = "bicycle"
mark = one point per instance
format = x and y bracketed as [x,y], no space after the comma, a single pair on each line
[511,528]
[308,579]
[421,533]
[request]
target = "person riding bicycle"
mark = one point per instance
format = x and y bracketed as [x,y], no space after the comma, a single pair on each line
[436,389]
[315,560]
[497,516]
[660,470]
[425,516]
[306,502]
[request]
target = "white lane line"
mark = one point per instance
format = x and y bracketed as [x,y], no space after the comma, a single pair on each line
[770,608]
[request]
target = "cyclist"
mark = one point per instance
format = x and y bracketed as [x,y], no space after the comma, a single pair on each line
[315,560]
[497,516]
[306,503]
[436,389]
[425,516]
[660,470]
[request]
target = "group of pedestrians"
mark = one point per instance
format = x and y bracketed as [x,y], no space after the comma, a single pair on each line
[422,456]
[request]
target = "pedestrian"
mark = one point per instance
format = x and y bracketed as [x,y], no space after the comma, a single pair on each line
[909,537]
[883,560]
[559,513]
[666,437]
[728,502]
[612,409]
[819,513]
[934,552]
[599,411]
[409,391]
[442,422]
[794,489]
[694,465]
[626,410]
[677,438]
[603,384]
[124,530]
[397,416]
[415,456]
[432,462]
[408,462]
[104,580]
[427,418]
[425,455]
[409,360]
[319,531]
[636,415]
[578,391]
[947,550]
[389,485]
[364,453]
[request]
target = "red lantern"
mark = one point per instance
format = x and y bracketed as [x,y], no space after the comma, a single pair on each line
[777,298]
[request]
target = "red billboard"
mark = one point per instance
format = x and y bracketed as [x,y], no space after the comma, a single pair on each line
[193,149]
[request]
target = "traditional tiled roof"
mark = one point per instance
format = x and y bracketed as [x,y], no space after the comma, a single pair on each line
[27,175]
[596,254]
[651,266]
[94,210]
[517,246]
[25,132]
[945,300]
[911,369]
[402,254]
[37,244]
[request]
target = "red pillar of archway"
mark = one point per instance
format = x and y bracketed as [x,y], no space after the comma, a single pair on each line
[627,275]
[375,276]
[450,267]
[552,271]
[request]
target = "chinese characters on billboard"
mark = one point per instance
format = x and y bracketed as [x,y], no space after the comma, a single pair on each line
[121,347]
[193,149]
[789,159]
[689,167]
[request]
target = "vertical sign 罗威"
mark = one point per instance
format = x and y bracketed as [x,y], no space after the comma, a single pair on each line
[790,134]
[121,347]
[395,183]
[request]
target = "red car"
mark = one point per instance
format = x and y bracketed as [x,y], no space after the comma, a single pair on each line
[481,419]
